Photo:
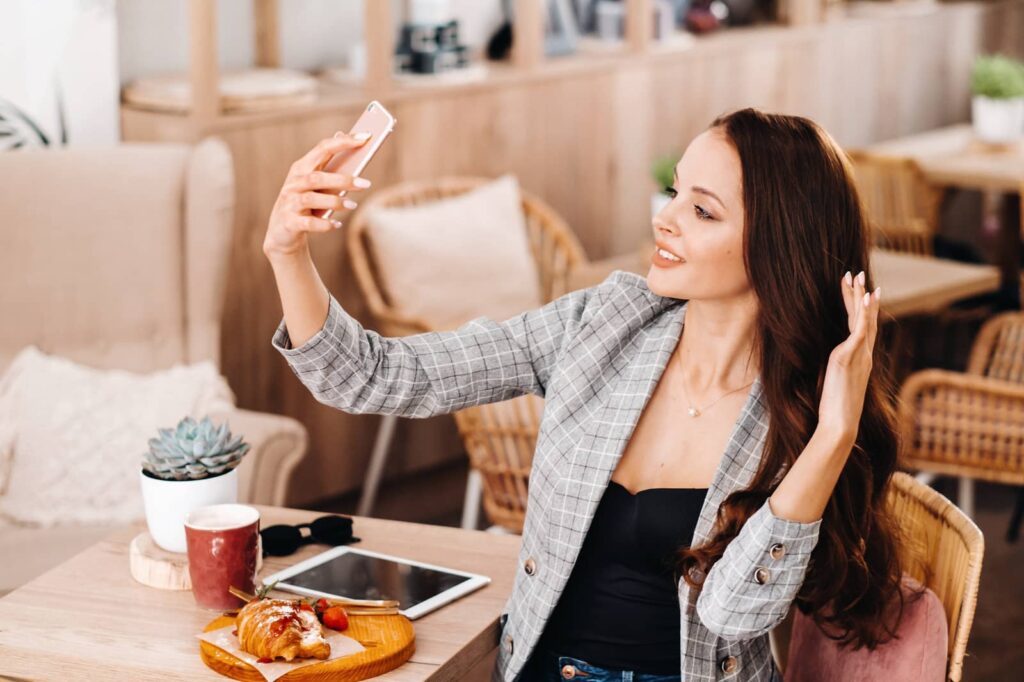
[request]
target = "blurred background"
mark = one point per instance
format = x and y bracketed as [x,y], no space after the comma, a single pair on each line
[143,143]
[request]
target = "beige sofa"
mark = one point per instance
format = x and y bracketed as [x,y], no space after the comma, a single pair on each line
[117,257]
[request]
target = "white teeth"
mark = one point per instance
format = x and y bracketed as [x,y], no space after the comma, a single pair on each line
[669,256]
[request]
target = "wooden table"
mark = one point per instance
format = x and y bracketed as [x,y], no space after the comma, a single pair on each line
[910,284]
[952,157]
[88,619]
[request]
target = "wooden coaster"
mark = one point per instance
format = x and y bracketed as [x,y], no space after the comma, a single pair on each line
[395,644]
[151,565]
[156,567]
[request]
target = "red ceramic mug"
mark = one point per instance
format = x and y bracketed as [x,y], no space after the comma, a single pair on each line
[223,548]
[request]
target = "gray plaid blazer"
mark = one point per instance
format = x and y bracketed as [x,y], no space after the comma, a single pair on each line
[595,355]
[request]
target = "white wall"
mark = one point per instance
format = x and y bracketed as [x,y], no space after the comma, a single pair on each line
[62,54]
[314,33]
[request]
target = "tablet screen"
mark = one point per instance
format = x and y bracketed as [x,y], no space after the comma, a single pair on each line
[359,576]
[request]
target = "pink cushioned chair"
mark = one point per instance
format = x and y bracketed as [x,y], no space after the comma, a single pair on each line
[942,550]
[917,655]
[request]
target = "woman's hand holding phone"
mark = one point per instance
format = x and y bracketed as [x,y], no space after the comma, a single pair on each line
[306,193]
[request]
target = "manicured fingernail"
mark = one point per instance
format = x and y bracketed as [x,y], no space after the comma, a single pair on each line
[862,278]
[362,137]
[336,223]
[867,298]
[362,183]
[878,293]
[338,134]
[349,204]
[848,278]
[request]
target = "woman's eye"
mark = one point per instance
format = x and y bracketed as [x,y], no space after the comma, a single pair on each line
[671,191]
[701,213]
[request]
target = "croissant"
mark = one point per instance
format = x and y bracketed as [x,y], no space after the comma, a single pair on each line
[279,628]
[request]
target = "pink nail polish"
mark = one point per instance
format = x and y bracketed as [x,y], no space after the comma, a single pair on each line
[867,299]
[862,278]
[848,278]
[362,183]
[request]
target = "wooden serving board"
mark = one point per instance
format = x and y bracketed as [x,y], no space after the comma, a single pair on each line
[396,644]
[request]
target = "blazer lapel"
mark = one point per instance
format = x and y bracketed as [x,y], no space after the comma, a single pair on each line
[595,457]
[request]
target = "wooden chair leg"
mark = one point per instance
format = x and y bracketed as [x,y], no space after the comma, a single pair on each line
[471,503]
[379,456]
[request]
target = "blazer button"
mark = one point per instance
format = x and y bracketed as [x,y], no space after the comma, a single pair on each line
[530,566]
[729,664]
[568,672]
[508,644]
[761,576]
[777,551]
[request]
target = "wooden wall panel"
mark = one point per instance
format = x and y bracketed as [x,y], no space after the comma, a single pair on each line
[580,132]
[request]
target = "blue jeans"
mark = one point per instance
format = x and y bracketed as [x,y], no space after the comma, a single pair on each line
[544,666]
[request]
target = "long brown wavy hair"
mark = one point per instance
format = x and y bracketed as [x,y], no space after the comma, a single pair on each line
[804,228]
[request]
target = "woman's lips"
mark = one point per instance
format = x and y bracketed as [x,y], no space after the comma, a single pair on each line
[662,262]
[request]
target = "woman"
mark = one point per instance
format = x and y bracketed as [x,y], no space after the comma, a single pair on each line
[690,482]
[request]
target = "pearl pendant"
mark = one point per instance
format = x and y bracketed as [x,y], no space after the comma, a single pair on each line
[693,412]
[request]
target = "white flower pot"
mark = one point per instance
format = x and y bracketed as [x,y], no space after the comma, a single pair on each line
[997,120]
[659,200]
[167,504]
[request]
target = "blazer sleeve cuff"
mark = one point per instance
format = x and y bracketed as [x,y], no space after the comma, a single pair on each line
[340,329]
[751,588]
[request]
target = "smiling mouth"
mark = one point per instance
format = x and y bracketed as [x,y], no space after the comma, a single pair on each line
[663,258]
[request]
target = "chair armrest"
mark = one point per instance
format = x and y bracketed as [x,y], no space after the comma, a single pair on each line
[277,443]
[951,422]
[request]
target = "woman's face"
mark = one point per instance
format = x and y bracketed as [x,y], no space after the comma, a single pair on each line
[702,225]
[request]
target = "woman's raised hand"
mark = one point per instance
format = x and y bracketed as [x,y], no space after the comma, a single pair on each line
[307,192]
[849,365]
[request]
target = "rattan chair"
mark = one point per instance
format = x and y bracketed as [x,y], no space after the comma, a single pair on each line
[970,424]
[902,206]
[942,549]
[498,437]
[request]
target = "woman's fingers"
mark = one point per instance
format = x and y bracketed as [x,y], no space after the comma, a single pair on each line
[876,305]
[322,180]
[314,200]
[325,149]
[848,298]
[308,223]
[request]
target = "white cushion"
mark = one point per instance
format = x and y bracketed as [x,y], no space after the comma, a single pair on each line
[452,260]
[80,434]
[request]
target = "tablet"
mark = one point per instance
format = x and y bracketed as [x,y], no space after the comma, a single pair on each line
[354,573]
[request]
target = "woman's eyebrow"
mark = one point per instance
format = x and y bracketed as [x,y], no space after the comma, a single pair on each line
[707,192]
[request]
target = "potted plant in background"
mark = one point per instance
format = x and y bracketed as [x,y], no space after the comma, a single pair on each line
[187,467]
[997,108]
[663,170]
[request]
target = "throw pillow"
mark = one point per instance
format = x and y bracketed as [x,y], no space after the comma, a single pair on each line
[79,434]
[452,260]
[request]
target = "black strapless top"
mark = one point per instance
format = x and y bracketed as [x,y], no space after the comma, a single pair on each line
[620,607]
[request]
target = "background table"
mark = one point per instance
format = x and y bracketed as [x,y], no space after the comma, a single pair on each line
[88,619]
[910,284]
[952,157]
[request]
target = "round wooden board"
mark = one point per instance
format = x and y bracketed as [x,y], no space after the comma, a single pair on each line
[395,635]
[156,567]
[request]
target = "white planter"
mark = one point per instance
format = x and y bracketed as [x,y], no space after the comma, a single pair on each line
[169,502]
[997,120]
[659,200]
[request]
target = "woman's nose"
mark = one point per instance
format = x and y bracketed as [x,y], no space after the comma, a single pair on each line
[664,227]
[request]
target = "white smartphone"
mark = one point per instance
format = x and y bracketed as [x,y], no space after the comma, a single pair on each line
[375,120]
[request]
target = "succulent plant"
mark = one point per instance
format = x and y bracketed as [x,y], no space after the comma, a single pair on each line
[193,450]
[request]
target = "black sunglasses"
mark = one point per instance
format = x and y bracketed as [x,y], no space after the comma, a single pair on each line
[282,540]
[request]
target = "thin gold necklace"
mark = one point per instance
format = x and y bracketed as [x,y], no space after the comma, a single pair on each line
[694,411]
